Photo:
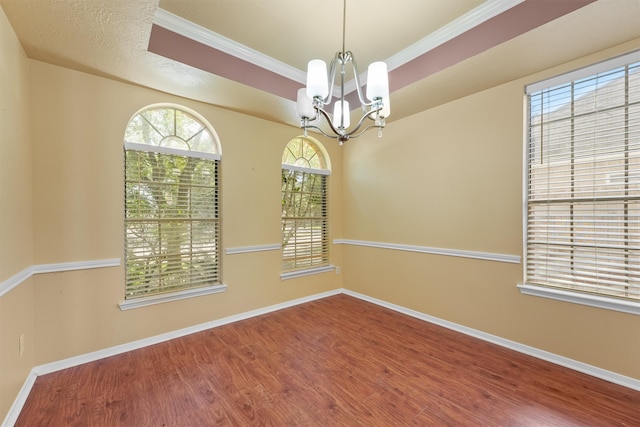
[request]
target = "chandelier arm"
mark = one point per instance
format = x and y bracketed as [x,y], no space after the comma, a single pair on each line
[351,135]
[361,121]
[329,121]
[337,132]
[319,129]
[332,77]
[344,136]
[356,78]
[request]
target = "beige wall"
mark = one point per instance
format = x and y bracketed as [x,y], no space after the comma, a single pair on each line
[67,145]
[16,237]
[78,128]
[451,177]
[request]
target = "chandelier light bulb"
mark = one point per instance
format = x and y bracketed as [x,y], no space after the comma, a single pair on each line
[377,81]
[341,118]
[304,106]
[317,83]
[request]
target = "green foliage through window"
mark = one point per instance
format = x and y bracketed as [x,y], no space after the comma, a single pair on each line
[172,222]
[304,207]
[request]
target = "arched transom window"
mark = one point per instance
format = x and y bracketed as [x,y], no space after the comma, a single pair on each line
[172,220]
[305,222]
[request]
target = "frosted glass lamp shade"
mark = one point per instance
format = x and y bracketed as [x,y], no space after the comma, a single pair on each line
[317,83]
[377,81]
[341,118]
[304,106]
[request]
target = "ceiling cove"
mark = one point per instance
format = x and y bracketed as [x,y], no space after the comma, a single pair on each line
[488,25]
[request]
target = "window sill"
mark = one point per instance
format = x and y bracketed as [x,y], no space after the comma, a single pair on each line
[307,272]
[168,297]
[598,301]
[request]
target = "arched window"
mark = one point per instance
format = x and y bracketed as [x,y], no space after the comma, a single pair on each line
[305,234]
[172,213]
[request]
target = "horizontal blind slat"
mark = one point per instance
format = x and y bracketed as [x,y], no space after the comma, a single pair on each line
[304,220]
[583,190]
[172,224]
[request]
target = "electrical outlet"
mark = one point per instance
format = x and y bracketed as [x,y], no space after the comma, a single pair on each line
[21,344]
[338,270]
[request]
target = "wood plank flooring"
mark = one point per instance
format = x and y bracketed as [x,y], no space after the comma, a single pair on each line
[338,361]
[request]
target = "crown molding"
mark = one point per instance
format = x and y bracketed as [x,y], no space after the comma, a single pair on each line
[471,19]
[458,26]
[224,44]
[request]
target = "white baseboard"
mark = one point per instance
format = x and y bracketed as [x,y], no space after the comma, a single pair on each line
[48,368]
[603,374]
[15,409]
[594,371]
[123,348]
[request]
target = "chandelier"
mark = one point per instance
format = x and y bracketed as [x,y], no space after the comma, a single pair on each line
[318,93]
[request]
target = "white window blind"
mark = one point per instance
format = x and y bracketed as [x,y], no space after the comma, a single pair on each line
[304,220]
[172,225]
[172,221]
[583,193]
[305,234]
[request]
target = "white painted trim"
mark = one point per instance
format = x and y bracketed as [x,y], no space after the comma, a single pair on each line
[217,41]
[308,170]
[170,296]
[599,301]
[594,371]
[123,348]
[471,19]
[255,248]
[485,256]
[487,10]
[21,398]
[48,368]
[77,265]
[587,71]
[307,272]
[171,151]
[17,279]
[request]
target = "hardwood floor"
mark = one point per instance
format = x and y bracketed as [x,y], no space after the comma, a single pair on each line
[338,361]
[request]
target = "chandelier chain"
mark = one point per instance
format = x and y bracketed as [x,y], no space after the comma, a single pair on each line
[344,25]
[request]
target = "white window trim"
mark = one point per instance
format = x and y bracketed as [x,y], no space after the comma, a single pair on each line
[254,248]
[171,151]
[312,270]
[558,294]
[170,296]
[306,170]
[589,70]
[599,301]
[306,272]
